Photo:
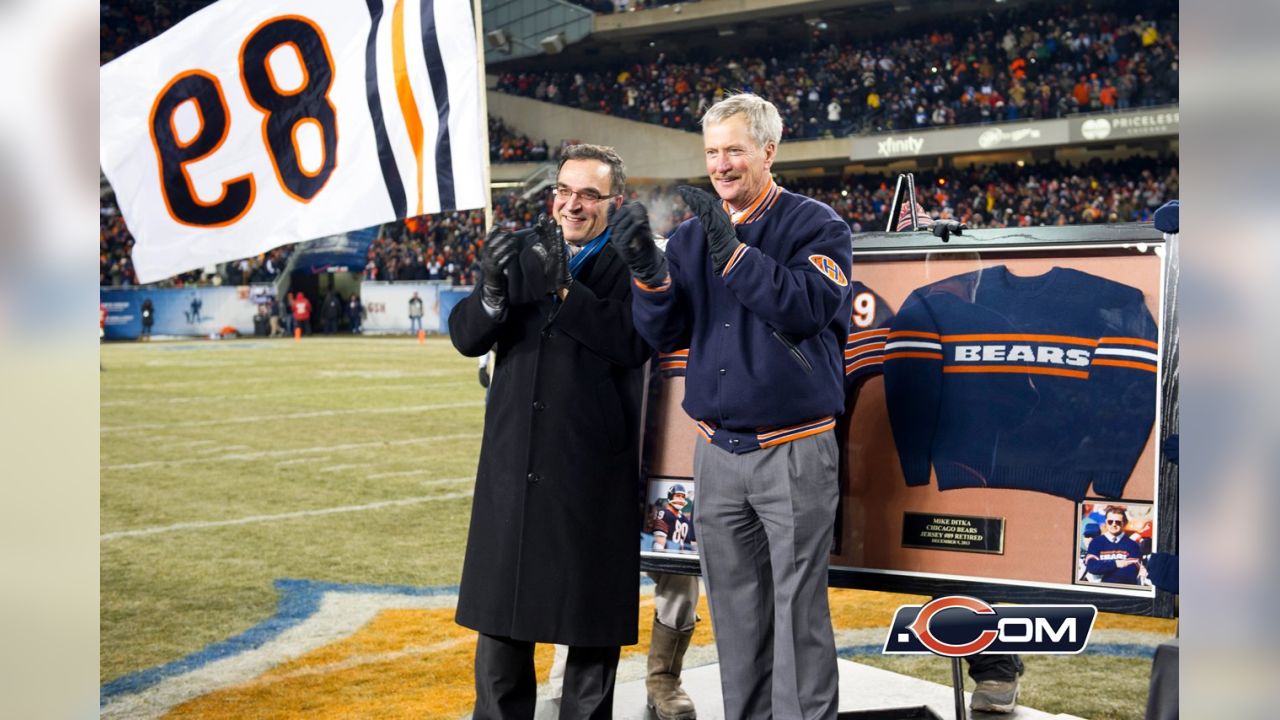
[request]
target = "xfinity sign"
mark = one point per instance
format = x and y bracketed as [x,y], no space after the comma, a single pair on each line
[958,626]
[891,146]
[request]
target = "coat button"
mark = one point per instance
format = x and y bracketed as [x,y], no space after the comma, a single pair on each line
[723,371]
[539,405]
[726,324]
[734,441]
[533,477]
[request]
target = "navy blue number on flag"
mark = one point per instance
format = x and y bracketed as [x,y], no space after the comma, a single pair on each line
[287,110]
[174,154]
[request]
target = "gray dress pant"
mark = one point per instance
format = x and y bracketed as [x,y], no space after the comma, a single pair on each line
[765,520]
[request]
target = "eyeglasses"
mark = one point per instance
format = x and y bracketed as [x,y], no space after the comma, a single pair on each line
[1115,522]
[588,196]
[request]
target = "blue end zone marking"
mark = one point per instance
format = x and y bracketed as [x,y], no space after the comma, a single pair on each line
[1107,649]
[299,600]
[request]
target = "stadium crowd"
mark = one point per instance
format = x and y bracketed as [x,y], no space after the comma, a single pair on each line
[446,246]
[1009,195]
[608,7]
[1042,61]
[506,145]
[115,264]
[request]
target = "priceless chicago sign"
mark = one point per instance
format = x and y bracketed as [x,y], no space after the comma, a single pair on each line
[1119,126]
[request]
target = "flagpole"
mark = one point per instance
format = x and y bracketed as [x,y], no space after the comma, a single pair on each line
[484,112]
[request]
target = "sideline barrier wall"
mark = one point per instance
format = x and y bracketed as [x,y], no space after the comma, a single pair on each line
[193,311]
[386,305]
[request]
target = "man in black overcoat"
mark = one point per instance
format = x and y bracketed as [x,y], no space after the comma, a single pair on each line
[551,555]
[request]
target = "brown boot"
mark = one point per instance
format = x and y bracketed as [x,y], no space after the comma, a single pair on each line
[666,654]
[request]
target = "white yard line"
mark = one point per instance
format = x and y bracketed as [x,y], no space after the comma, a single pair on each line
[253,519]
[267,395]
[150,401]
[296,461]
[258,380]
[403,473]
[447,481]
[294,451]
[250,419]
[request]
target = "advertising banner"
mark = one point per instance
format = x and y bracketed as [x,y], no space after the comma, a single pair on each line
[199,311]
[1125,125]
[449,296]
[387,306]
[966,139]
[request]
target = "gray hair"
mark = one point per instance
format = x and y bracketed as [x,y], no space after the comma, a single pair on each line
[763,121]
[604,154]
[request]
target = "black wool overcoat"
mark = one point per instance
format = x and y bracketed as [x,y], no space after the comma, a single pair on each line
[552,552]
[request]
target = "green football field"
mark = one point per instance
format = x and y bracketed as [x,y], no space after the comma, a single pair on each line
[227,466]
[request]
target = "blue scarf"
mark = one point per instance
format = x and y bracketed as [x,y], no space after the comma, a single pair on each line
[587,252]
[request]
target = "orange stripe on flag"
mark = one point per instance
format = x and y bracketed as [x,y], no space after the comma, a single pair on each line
[1127,364]
[1067,339]
[1078,374]
[404,91]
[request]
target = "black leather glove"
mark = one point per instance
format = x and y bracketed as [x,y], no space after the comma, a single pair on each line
[554,253]
[631,237]
[561,275]
[499,248]
[722,241]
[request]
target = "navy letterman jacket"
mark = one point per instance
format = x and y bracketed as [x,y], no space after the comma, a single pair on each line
[765,338]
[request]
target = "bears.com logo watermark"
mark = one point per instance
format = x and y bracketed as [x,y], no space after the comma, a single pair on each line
[957,626]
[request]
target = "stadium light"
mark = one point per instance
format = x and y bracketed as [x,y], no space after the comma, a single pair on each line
[498,40]
[553,44]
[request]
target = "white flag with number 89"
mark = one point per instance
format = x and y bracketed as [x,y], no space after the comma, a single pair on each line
[251,125]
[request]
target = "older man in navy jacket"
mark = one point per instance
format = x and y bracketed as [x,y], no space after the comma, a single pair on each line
[756,285]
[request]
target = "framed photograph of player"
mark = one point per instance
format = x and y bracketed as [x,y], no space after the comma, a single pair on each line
[1113,540]
[994,381]
[669,527]
[667,477]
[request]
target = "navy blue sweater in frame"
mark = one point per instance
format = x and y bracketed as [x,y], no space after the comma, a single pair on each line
[766,337]
[1041,383]
[1102,554]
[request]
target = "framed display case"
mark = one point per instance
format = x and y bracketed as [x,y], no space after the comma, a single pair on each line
[1009,392]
